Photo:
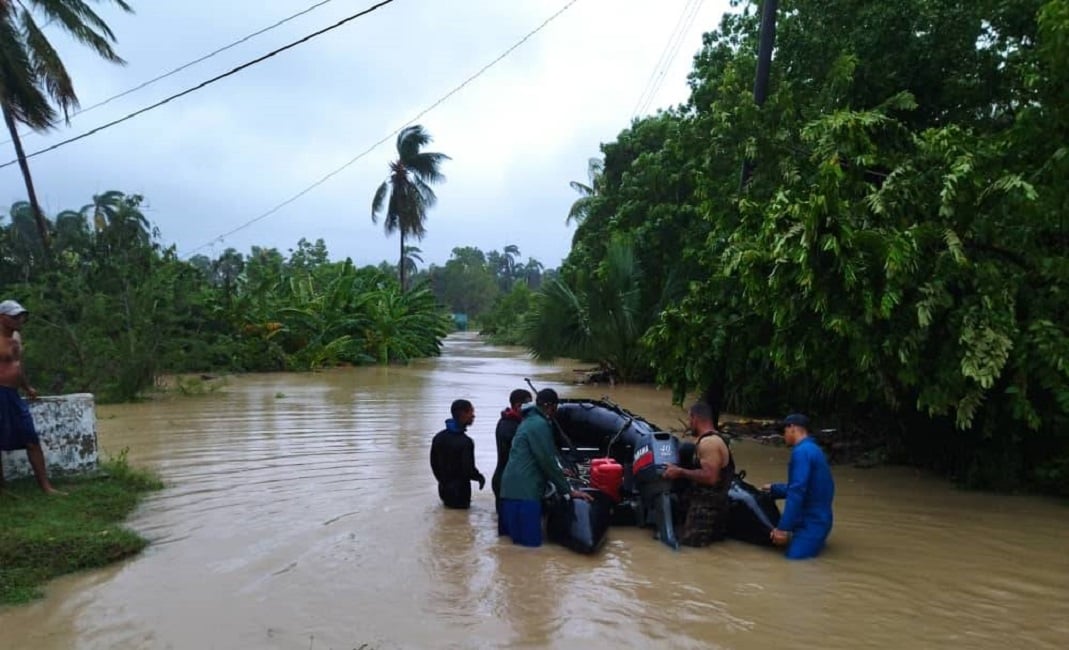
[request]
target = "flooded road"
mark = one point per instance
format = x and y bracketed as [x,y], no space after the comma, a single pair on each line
[300,513]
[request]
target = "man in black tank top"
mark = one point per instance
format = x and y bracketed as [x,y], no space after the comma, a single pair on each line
[706,501]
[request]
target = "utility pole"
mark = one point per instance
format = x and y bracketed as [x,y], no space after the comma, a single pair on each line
[766,41]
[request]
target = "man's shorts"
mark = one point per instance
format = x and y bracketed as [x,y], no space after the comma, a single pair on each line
[521,519]
[16,423]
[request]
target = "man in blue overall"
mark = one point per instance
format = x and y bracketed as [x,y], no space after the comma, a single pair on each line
[809,490]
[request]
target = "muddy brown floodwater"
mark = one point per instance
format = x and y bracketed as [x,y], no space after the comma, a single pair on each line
[300,513]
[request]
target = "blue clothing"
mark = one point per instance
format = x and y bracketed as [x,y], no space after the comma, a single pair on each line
[809,492]
[521,519]
[16,423]
[803,548]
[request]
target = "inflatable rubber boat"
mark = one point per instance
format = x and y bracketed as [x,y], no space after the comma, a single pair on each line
[619,458]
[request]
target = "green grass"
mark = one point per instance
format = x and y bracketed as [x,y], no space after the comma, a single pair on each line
[43,537]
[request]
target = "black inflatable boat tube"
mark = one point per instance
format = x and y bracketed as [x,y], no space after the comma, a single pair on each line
[580,525]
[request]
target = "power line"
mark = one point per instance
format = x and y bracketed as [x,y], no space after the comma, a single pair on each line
[365,152]
[191,63]
[689,15]
[672,56]
[205,83]
[661,59]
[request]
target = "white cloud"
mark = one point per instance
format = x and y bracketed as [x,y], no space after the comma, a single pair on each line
[213,160]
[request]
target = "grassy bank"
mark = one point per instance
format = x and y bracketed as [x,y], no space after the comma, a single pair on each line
[43,537]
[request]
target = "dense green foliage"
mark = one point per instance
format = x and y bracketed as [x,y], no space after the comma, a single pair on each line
[47,536]
[896,261]
[112,309]
[475,283]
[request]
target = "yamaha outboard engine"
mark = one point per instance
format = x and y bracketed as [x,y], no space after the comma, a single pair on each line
[653,452]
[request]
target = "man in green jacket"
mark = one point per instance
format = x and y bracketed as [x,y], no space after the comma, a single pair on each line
[532,465]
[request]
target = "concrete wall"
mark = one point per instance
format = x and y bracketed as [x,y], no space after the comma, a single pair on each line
[67,426]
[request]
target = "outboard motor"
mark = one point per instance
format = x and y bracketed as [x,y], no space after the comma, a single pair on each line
[653,452]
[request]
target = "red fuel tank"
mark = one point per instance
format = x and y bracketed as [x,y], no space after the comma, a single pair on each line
[607,475]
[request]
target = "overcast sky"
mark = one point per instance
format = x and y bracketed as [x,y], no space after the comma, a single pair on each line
[213,160]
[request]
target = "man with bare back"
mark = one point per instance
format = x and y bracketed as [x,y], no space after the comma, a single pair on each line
[16,424]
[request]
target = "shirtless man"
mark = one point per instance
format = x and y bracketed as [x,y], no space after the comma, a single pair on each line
[707,503]
[16,424]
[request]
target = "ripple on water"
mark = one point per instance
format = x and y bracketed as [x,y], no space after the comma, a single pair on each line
[311,520]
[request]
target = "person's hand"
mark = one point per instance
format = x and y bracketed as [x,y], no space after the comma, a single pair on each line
[671,472]
[767,487]
[579,494]
[482,481]
[31,392]
[779,537]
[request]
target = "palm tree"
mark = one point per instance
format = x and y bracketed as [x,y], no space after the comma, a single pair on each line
[120,215]
[581,208]
[533,272]
[510,254]
[406,194]
[32,76]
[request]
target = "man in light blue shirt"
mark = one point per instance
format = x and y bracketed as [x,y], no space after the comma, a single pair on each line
[809,491]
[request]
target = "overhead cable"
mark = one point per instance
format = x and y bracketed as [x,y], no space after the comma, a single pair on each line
[690,13]
[390,135]
[192,63]
[204,83]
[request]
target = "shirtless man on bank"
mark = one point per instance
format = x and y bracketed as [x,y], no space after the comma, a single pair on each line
[16,424]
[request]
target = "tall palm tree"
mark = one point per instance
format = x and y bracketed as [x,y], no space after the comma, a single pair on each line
[32,76]
[406,194]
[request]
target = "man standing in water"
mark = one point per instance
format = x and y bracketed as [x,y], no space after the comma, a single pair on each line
[531,466]
[707,503]
[807,517]
[506,431]
[453,458]
[16,423]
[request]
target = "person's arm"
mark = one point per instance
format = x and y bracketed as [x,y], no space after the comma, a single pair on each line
[435,461]
[470,470]
[797,485]
[546,457]
[24,383]
[778,490]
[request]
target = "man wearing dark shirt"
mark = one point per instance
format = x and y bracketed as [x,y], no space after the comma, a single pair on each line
[453,458]
[506,431]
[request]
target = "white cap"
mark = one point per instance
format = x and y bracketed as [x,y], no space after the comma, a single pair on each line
[12,308]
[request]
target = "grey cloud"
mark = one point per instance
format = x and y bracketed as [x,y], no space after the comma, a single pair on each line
[215,159]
